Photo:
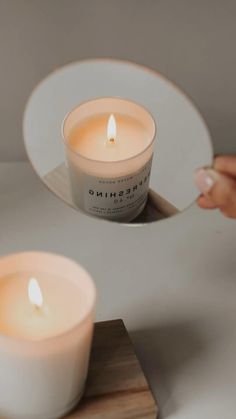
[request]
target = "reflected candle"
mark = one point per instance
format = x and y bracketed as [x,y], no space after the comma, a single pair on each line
[46,323]
[109,147]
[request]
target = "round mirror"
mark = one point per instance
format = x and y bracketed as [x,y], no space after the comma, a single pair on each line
[132,140]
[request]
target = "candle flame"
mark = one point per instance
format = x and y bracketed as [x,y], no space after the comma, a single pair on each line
[111,129]
[35,293]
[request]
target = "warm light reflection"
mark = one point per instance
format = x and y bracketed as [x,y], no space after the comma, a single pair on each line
[35,293]
[111,129]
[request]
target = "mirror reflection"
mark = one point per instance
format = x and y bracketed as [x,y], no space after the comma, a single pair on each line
[127,152]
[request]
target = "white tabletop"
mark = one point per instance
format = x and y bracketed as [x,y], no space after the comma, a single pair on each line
[174,285]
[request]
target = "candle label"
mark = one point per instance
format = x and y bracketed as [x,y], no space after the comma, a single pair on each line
[117,197]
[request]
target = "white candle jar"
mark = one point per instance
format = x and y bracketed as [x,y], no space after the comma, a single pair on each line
[109,179]
[43,378]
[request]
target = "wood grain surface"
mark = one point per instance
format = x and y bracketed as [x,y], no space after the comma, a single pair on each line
[116,386]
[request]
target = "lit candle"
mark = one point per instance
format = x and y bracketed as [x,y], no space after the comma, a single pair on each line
[35,294]
[46,323]
[109,147]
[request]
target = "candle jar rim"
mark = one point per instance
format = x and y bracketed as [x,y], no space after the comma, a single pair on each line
[97,99]
[54,338]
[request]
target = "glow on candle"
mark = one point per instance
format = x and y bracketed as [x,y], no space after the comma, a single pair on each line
[109,142]
[34,293]
[111,129]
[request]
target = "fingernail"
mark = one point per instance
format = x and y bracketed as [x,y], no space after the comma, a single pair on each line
[205,179]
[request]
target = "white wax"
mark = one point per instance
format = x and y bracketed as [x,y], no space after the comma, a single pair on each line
[64,305]
[101,171]
[89,138]
[44,352]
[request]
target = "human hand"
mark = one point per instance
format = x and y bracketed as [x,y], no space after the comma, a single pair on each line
[218,186]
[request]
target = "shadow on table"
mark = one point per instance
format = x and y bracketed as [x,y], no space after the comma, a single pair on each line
[164,352]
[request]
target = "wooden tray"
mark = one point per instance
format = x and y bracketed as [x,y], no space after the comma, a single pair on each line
[116,386]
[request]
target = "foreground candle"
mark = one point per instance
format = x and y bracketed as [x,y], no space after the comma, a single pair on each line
[46,322]
[109,147]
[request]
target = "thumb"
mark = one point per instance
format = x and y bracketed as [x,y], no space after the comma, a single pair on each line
[219,188]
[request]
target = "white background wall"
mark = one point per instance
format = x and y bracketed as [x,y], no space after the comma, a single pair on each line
[190,41]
